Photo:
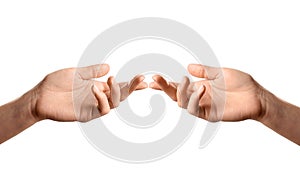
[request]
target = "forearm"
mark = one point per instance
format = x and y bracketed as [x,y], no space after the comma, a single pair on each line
[16,116]
[282,117]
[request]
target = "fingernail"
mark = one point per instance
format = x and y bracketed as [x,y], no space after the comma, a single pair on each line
[185,81]
[104,66]
[191,65]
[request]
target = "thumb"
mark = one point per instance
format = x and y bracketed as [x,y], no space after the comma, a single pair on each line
[203,71]
[93,71]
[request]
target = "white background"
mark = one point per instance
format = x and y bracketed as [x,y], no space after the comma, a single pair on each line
[258,37]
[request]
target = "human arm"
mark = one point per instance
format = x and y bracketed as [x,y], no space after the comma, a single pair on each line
[70,94]
[16,116]
[282,117]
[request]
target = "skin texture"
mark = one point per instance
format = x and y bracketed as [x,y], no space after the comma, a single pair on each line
[66,95]
[74,95]
[202,97]
[244,99]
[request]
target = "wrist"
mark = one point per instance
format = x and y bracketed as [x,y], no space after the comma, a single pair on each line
[270,106]
[282,117]
[16,116]
[27,106]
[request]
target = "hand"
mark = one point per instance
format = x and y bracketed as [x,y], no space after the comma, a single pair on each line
[72,94]
[242,95]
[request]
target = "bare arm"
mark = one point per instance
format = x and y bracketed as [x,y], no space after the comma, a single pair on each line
[15,117]
[244,99]
[282,117]
[70,94]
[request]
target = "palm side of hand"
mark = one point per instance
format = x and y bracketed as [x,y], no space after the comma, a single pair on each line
[67,95]
[242,95]
[225,94]
[55,96]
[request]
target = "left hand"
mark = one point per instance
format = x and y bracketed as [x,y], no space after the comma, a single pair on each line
[224,94]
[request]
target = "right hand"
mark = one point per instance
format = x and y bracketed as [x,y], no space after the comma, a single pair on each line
[72,94]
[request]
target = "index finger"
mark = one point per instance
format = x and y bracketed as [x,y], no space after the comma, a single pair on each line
[169,88]
[135,82]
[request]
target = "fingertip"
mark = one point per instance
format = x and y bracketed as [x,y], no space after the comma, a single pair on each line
[152,84]
[135,83]
[190,66]
[105,67]
[160,80]
[193,67]
[144,84]
[141,86]
[104,111]
[185,79]
[92,71]
[141,76]
[154,77]
[99,70]
[199,71]
[110,80]
[111,77]
[137,79]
